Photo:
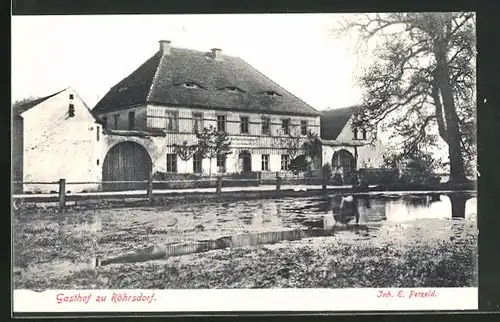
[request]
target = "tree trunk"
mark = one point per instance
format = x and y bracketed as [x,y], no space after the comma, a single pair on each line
[453,136]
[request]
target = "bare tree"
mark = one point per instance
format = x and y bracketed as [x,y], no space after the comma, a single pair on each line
[212,143]
[423,75]
[291,142]
[184,151]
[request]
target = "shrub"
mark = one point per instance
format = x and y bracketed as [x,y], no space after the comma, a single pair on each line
[191,180]
[378,176]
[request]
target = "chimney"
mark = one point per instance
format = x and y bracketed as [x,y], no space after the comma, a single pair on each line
[165,46]
[216,53]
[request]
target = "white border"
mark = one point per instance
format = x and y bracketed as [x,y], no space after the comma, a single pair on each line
[231,300]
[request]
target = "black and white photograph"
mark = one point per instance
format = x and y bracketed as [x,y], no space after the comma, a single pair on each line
[253,152]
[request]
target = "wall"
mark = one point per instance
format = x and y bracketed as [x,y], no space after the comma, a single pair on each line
[123,124]
[17,150]
[368,155]
[255,142]
[347,134]
[371,156]
[158,151]
[58,146]
[328,151]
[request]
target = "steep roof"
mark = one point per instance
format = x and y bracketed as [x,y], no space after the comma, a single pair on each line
[162,77]
[333,121]
[28,105]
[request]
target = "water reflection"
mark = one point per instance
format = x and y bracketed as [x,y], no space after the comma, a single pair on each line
[269,221]
[407,207]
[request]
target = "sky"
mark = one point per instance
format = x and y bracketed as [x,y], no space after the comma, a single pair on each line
[93,53]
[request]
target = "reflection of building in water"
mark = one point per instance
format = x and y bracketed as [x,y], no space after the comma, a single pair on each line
[448,206]
[471,208]
[371,210]
[407,207]
[423,201]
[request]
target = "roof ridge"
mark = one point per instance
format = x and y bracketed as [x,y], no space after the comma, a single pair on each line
[269,79]
[37,100]
[155,77]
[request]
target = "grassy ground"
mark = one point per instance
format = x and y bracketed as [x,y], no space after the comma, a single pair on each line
[54,251]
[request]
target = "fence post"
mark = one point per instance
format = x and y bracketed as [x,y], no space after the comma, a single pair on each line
[219,185]
[62,194]
[150,186]
[325,179]
[278,182]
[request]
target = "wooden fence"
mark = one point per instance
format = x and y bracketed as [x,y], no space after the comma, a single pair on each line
[219,184]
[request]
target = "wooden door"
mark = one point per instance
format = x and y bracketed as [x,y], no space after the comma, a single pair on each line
[126,161]
[245,161]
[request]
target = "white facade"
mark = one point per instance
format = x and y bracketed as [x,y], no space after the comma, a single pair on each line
[254,141]
[368,154]
[59,146]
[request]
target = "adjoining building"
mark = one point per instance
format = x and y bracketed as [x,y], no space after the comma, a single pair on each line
[346,148]
[56,137]
[178,92]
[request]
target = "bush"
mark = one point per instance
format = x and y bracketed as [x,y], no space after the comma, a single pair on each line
[301,164]
[378,176]
[191,180]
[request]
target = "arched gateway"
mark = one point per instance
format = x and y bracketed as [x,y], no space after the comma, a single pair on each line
[126,161]
[344,162]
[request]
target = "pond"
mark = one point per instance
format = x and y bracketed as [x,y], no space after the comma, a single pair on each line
[429,224]
[200,227]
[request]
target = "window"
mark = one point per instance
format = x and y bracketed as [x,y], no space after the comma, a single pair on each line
[70,96]
[98,132]
[363,134]
[172,121]
[244,124]
[285,126]
[303,127]
[171,162]
[266,125]
[355,134]
[197,163]
[272,93]
[97,161]
[191,85]
[221,123]
[265,162]
[117,117]
[131,120]
[71,110]
[221,163]
[105,122]
[285,162]
[197,122]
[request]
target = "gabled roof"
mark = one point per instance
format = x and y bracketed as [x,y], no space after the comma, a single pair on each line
[28,105]
[333,121]
[162,77]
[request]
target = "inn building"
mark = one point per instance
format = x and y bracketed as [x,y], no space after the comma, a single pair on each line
[176,93]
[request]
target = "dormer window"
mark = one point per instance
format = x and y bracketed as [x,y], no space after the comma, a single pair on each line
[233,89]
[271,93]
[191,85]
[121,89]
